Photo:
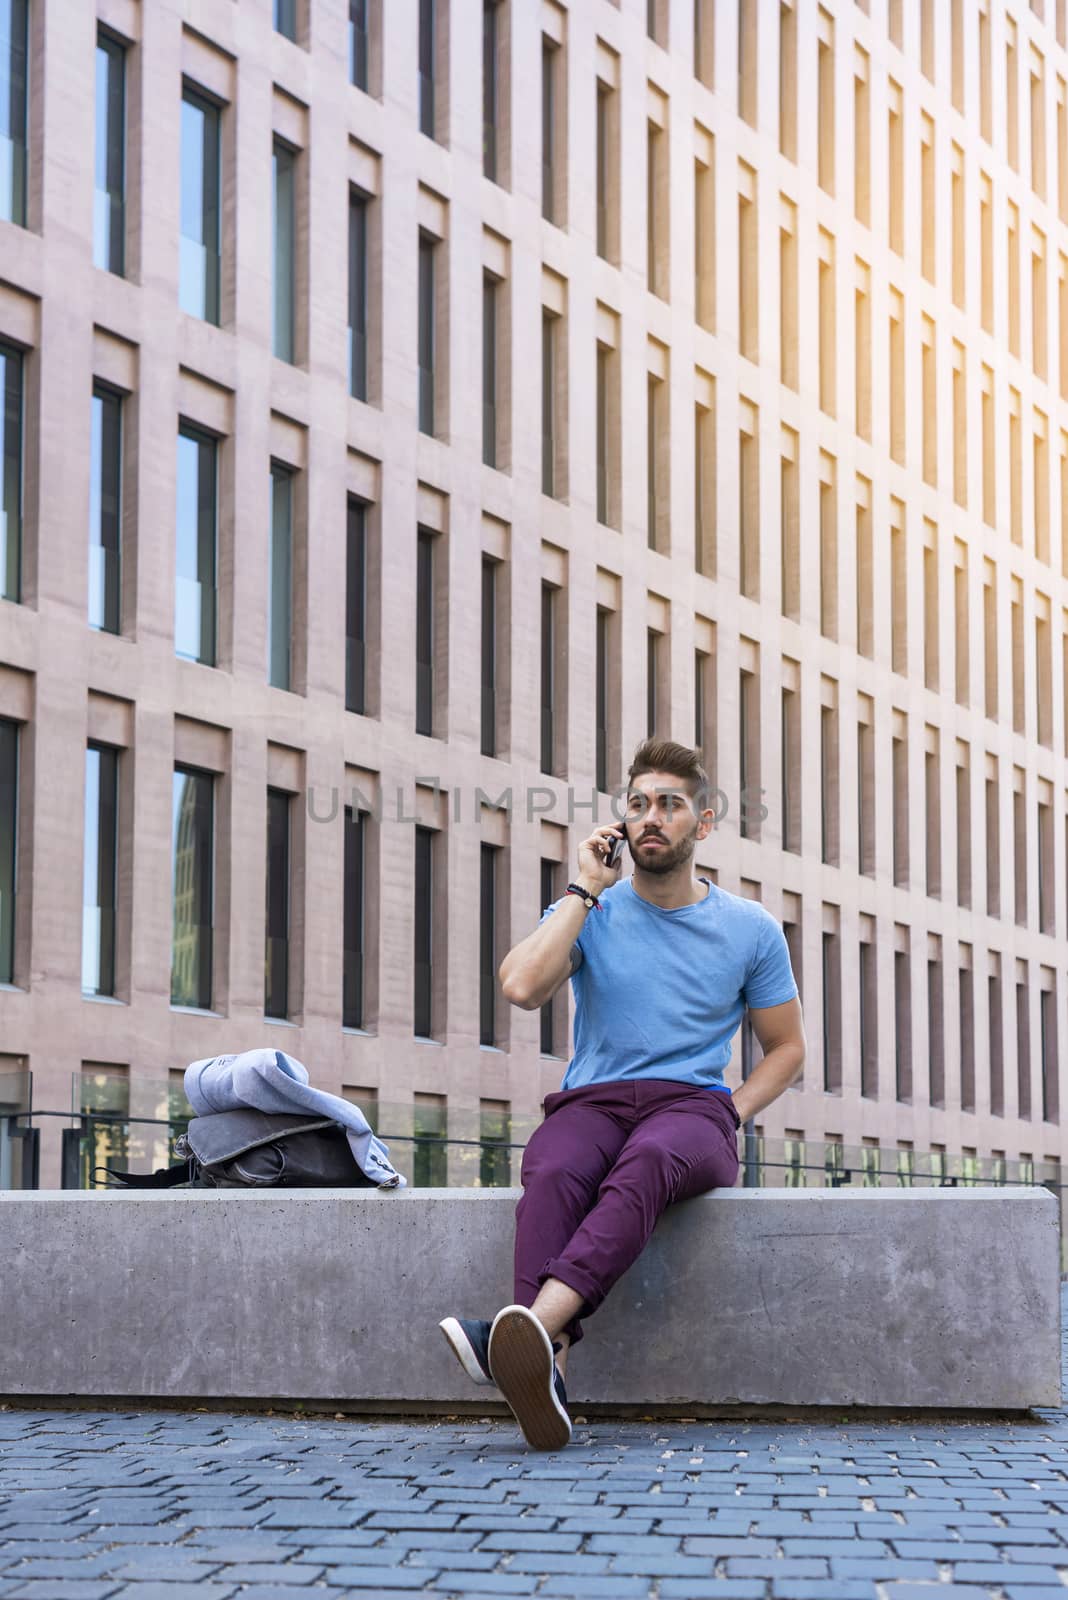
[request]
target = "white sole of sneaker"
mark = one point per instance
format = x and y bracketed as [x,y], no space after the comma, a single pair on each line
[522,1363]
[463,1349]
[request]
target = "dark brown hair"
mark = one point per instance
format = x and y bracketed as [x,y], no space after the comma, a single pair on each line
[664,755]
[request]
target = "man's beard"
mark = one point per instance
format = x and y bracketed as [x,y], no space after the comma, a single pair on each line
[667,858]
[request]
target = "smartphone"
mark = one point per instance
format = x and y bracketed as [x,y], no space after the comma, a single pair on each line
[615,852]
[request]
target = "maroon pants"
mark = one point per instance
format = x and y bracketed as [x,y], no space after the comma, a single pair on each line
[599,1170]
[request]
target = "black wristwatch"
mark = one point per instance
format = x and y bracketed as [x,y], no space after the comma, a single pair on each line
[590,899]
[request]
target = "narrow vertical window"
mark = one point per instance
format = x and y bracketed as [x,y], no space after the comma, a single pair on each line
[829,785]
[653,685]
[424,634]
[652,389]
[862,137]
[868,1019]
[936,1033]
[195,548]
[109,200]
[790,769]
[748,11]
[200,252]
[603,92]
[993,845]
[548,677]
[489,657]
[489,369]
[749,790]
[14,105]
[828,531]
[276,951]
[280,580]
[427,52]
[966,1023]
[896,173]
[9,752]
[427,276]
[284,221]
[704,486]
[787,79]
[423,945]
[748,284]
[825,111]
[601,701]
[353,918]
[100,869]
[899,778]
[1023,1052]
[487,944]
[704,239]
[832,1013]
[995,1035]
[549,1012]
[548,402]
[10,474]
[285,18]
[866,814]
[749,508]
[902,1026]
[356,606]
[1047,1019]
[603,356]
[489,89]
[704,42]
[105,511]
[548,129]
[657,212]
[359,44]
[193,891]
[932,805]
[357,294]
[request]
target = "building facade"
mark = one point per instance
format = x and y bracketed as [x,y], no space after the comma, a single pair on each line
[410,407]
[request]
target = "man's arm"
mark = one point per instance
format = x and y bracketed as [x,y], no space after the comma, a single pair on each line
[781,1032]
[534,969]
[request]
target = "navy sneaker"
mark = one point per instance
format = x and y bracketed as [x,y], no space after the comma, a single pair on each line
[469,1341]
[522,1361]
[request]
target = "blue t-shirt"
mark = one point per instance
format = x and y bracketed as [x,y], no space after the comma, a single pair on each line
[660,994]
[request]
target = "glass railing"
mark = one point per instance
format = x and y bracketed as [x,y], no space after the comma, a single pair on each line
[131,1126]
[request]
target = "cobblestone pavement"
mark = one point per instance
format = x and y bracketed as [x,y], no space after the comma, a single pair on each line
[144,1505]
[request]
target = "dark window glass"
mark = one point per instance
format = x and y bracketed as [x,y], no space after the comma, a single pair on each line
[487,945]
[601,735]
[284,232]
[489,371]
[489,88]
[602,171]
[14,101]
[427,46]
[195,548]
[1047,1018]
[199,260]
[105,512]
[356,607]
[424,634]
[353,918]
[1023,1052]
[832,1014]
[9,752]
[651,390]
[193,855]
[602,434]
[548,677]
[652,684]
[357,295]
[359,43]
[100,876]
[426,334]
[550,872]
[699,659]
[276,952]
[10,474]
[966,1034]
[902,1025]
[548,112]
[869,1062]
[280,580]
[489,658]
[424,888]
[109,201]
[285,18]
[548,378]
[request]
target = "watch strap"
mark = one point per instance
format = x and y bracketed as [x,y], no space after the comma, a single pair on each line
[584,894]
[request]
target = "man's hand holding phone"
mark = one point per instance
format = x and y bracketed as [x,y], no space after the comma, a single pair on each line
[601,855]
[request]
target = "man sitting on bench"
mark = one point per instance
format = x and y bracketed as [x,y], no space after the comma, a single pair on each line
[664,964]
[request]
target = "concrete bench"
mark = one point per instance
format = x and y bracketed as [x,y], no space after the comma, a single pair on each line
[905,1298]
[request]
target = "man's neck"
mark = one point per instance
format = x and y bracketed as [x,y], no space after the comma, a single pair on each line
[666,893]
